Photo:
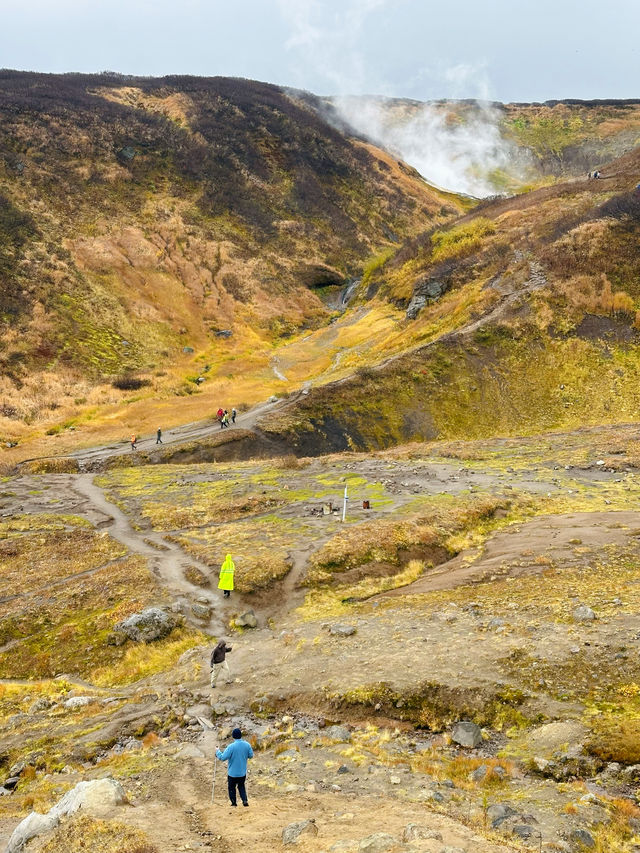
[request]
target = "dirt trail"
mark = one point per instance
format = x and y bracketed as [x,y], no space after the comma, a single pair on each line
[176,435]
[166,559]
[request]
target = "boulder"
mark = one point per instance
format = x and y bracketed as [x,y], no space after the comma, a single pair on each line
[77,702]
[523,830]
[33,825]
[467,734]
[377,843]
[292,832]
[339,733]
[201,611]
[582,838]
[480,773]
[145,627]
[342,630]
[96,797]
[246,620]
[582,613]
[498,812]
[415,831]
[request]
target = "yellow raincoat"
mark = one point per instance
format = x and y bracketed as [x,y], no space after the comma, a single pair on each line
[226,573]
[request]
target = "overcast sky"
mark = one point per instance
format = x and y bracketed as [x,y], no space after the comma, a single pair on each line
[508,50]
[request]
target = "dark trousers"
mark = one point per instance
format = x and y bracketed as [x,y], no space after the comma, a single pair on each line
[227,593]
[237,782]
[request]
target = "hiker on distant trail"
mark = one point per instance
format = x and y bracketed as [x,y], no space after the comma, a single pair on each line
[133,442]
[220,413]
[233,416]
[219,662]
[225,581]
[159,436]
[236,754]
[225,419]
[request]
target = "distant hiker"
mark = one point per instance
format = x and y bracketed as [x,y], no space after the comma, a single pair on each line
[220,413]
[589,176]
[596,174]
[233,416]
[225,419]
[133,442]
[236,754]
[159,436]
[219,662]
[225,581]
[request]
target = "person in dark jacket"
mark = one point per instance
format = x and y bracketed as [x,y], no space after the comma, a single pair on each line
[237,754]
[159,436]
[219,662]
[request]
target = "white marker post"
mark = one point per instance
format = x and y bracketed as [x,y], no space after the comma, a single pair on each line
[344,505]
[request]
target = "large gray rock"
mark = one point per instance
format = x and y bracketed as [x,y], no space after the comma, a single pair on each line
[583,838]
[342,630]
[96,797]
[338,733]
[33,825]
[76,702]
[498,812]
[145,627]
[415,831]
[246,620]
[467,734]
[582,613]
[201,611]
[292,832]
[427,290]
[379,842]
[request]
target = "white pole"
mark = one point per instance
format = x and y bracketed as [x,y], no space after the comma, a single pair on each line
[344,505]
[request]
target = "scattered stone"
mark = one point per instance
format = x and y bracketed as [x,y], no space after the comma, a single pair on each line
[480,773]
[342,630]
[582,613]
[414,831]
[11,782]
[583,837]
[246,620]
[343,769]
[339,733]
[41,704]
[498,812]
[292,832]
[223,333]
[151,624]
[201,611]
[377,843]
[189,751]
[77,702]
[494,624]
[522,830]
[467,734]
[394,780]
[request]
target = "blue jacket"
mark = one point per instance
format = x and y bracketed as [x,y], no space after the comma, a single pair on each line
[236,754]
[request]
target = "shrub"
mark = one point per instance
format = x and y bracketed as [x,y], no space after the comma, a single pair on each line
[128,382]
[616,739]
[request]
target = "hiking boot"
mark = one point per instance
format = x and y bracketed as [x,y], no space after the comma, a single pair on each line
[245,804]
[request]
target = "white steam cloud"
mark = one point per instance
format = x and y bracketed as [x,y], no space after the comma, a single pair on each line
[455,151]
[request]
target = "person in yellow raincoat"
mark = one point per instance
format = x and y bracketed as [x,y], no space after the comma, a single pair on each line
[226,576]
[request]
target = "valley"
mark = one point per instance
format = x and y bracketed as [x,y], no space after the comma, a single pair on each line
[453,667]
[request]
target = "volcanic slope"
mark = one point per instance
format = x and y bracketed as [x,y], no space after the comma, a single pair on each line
[154,231]
[519,317]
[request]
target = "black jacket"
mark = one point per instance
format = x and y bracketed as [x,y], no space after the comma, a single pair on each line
[219,653]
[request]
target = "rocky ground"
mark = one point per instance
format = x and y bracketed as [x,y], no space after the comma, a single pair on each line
[518,616]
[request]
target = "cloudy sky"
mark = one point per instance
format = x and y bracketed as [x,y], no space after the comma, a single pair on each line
[508,50]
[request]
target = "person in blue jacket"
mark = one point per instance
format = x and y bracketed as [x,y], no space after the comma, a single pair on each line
[237,754]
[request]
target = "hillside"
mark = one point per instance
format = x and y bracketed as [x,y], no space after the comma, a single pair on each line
[142,218]
[519,317]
